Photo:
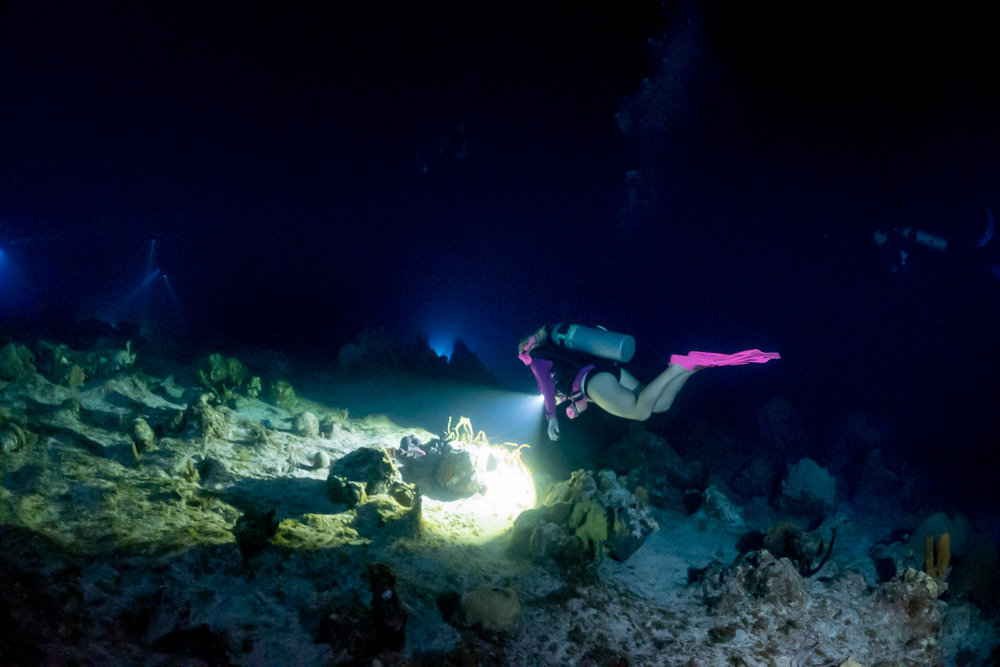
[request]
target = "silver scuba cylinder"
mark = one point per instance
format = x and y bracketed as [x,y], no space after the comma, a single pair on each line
[598,342]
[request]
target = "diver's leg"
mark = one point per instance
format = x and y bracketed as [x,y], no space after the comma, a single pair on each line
[673,388]
[609,394]
[605,390]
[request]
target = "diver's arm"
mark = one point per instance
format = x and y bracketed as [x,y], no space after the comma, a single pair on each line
[553,429]
[542,370]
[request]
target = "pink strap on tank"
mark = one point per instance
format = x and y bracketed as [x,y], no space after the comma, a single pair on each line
[693,360]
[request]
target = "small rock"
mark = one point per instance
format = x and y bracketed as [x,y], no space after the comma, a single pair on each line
[253,531]
[492,609]
[344,492]
[142,435]
[306,424]
[283,395]
[321,460]
[11,438]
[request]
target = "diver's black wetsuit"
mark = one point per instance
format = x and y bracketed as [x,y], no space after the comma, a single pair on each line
[562,373]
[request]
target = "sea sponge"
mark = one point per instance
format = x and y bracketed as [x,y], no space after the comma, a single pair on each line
[937,555]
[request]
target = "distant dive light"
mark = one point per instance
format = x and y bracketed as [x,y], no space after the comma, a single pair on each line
[990,228]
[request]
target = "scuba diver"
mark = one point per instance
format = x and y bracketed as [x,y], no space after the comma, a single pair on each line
[900,244]
[580,365]
[902,247]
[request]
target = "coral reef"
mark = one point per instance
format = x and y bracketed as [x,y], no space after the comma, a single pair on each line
[142,521]
[227,379]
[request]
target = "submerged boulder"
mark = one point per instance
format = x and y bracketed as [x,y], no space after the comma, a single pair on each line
[370,466]
[448,468]
[17,363]
[583,519]
[306,424]
[491,609]
[808,489]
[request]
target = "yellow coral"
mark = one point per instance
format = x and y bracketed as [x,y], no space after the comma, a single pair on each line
[937,555]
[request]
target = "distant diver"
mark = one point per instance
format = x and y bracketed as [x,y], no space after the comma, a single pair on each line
[446,147]
[580,365]
[900,243]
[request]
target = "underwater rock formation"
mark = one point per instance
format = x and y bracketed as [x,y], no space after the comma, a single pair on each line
[808,489]
[491,609]
[306,424]
[581,520]
[253,530]
[227,378]
[368,482]
[369,466]
[17,363]
[442,467]
[220,544]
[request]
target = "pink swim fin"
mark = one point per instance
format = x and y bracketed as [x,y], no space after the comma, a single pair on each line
[693,360]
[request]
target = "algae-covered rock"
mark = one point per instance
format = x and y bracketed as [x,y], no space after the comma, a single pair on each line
[583,519]
[283,395]
[253,531]
[14,432]
[123,360]
[12,438]
[306,424]
[252,388]
[212,422]
[381,516]
[495,610]
[61,365]
[343,491]
[227,378]
[72,377]
[219,371]
[142,435]
[17,363]
[321,460]
[370,466]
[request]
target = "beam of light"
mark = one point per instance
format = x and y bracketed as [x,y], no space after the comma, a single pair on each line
[43,238]
[14,293]
[990,228]
[137,291]
[170,292]
[149,261]
[507,416]
[141,287]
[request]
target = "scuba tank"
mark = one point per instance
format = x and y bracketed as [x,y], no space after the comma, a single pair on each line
[598,342]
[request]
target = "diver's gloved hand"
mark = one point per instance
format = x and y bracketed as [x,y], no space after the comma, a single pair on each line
[554,429]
